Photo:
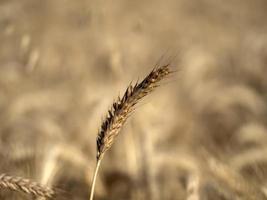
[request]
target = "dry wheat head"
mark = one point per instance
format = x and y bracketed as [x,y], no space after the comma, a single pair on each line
[27,186]
[123,107]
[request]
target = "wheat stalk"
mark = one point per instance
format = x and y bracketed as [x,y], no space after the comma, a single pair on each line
[27,186]
[121,110]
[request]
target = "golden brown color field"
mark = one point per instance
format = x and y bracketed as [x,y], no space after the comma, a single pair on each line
[202,135]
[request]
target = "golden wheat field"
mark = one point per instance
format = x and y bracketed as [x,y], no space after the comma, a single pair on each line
[200,135]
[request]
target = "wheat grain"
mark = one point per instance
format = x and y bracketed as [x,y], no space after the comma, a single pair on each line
[121,110]
[27,186]
[123,107]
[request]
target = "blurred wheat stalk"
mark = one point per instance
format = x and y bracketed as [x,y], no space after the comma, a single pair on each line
[121,110]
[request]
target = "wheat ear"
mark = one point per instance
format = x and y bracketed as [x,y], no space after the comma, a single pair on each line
[27,186]
[121,110]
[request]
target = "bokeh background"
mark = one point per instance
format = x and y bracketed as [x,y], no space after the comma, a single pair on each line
[202,135]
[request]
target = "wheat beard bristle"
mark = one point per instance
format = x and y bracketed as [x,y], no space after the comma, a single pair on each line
[123,107]
[26,186]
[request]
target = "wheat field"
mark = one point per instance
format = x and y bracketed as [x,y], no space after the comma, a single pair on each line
[202,135]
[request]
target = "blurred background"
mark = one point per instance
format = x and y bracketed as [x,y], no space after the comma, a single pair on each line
[202,135]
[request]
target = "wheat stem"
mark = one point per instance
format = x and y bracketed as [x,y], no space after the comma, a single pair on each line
[94,179]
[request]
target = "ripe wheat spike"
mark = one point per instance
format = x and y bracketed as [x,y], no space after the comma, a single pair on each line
[27,186]
[123,107]
[121,110]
